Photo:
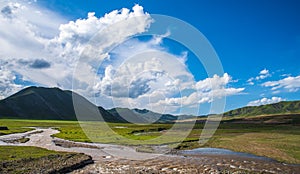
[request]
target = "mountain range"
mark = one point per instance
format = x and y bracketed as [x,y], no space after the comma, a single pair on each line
[56,104]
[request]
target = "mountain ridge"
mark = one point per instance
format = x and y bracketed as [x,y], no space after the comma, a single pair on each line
[56,104]
[49,103]
[283,107]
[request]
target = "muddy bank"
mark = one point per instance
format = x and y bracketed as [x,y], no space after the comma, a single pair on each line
[192,165]
[59,163]
[70,144]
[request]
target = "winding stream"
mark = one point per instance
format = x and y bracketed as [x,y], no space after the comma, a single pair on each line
[41,137]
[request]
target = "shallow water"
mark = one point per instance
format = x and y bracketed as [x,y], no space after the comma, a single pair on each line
[43,139]
[220,151]
[109,158]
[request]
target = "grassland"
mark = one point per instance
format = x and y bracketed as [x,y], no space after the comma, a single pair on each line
[10,153]
[278,141]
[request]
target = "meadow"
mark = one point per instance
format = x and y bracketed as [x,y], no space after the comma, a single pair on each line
[278,141]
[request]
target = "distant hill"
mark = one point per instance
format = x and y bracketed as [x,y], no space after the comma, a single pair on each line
[142,115]
[284,107]
[49,104]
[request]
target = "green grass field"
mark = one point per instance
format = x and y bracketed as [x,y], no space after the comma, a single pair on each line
[281,142]
[11,153]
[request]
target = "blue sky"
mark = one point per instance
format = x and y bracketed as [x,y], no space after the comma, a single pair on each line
[258,44]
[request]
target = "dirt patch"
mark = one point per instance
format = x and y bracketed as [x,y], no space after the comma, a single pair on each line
[20,140]
[69,144]
[59,163]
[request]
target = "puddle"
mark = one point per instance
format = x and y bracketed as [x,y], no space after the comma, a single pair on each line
[220,151]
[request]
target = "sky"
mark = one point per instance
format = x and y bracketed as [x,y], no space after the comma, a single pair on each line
[101,50]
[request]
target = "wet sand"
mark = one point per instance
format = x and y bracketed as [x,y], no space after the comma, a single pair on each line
[123,159]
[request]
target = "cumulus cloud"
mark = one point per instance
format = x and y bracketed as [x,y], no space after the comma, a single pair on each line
[7,81]
[262,75]
[91,39]
[115,27]
[24,30]
[205,91]
[291,84]
[142,74]
[37,32]
[134,73]
[142,77]
[265,101]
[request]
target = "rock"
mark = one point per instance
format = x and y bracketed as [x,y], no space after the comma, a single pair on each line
[232,166]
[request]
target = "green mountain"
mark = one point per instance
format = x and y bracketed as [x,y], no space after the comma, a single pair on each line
[284,107]
[57,104]
[50,104]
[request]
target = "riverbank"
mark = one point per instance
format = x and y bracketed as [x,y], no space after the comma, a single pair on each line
[190,164]
[17,159]
[258,139]
[109,158]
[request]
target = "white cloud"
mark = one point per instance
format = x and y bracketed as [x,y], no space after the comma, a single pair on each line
[7,85]
[144,75]
[291,84]
[24,30]
[265,101]
[115,27]
[141,73]
[83,37]
[216,82]
[264,72]
[205,91]
[40,36]
[135,73]
[262,75]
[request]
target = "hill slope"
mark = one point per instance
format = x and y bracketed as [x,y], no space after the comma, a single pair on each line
[284,107]
[49,103]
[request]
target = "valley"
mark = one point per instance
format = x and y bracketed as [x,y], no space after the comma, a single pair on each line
[113,143]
